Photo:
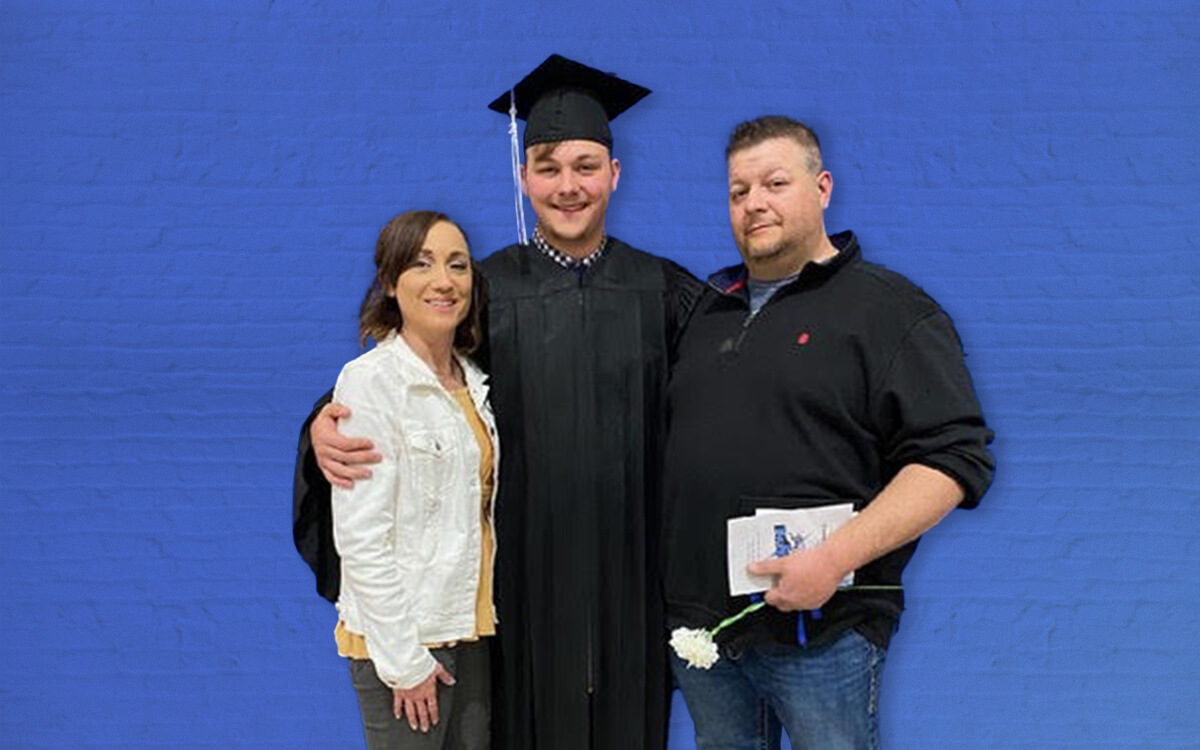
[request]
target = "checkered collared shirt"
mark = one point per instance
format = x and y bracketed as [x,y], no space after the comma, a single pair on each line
[564,260]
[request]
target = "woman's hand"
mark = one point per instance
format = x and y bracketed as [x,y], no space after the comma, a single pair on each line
[419,703]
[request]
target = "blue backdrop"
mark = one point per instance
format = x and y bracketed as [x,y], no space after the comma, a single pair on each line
[190,193]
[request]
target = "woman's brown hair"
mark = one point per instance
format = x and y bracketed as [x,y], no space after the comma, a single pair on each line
[397,249]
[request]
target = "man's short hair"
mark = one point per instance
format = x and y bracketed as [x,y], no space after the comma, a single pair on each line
[753,132]
[546,149]
[542,150]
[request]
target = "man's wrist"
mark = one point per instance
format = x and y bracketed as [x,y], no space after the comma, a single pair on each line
[833,560]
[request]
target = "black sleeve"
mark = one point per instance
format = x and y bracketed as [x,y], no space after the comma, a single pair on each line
[683,289]
[312,513]
[926,411]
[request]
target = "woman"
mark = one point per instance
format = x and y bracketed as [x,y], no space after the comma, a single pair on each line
[416,538]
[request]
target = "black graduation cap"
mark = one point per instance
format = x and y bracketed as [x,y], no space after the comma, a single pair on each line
[562,100]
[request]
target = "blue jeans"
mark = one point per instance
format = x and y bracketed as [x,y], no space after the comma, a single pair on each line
[826,697]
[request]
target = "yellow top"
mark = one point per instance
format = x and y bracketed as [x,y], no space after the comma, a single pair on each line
[353,645]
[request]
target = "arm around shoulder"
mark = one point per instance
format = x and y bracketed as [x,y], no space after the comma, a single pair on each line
[683,292]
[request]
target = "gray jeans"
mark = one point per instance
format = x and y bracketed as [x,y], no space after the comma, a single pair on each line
[465,707]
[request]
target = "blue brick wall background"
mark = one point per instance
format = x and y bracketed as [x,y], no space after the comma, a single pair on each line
[189,196]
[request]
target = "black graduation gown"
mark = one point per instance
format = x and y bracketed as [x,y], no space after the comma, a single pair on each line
[579,364]
[312,513]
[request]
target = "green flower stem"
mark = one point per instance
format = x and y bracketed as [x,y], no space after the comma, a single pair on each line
[731,620]
[759,605]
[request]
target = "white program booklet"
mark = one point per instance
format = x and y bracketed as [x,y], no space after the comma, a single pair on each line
[775,533]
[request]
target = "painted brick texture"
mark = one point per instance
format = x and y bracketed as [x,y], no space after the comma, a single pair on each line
[189,197]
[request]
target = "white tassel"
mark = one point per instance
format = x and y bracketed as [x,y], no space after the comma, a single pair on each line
[522,237]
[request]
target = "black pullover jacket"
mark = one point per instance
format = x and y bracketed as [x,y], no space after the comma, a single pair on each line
[845,376]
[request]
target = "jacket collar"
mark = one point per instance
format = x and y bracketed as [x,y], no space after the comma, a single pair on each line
[731,281]
[421,374]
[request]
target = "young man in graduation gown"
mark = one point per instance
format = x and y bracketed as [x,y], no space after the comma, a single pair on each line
[580,332]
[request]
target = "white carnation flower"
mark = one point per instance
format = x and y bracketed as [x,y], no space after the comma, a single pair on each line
[696,647]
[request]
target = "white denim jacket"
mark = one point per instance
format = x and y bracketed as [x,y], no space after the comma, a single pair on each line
[409,536]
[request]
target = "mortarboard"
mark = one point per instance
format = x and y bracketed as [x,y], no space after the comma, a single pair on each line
[562,100]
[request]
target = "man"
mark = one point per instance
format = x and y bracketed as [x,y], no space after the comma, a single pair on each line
[807,376]
[580,329]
